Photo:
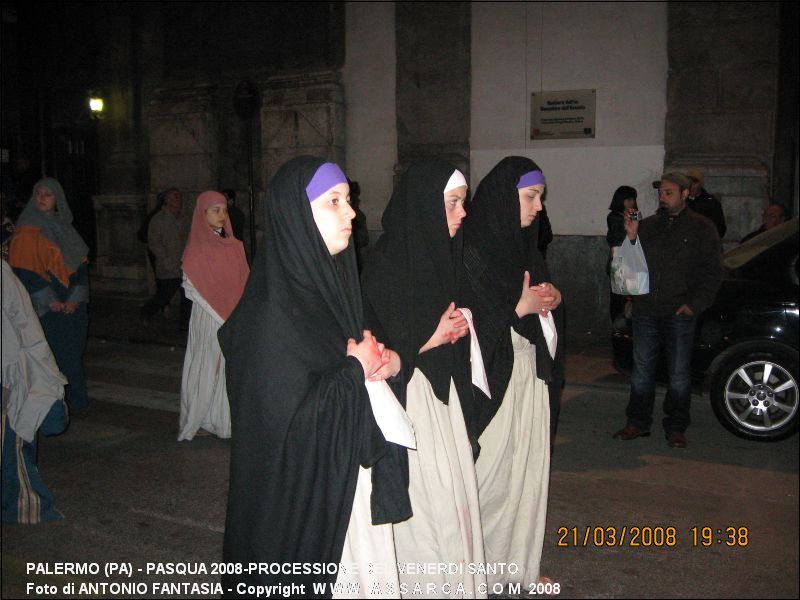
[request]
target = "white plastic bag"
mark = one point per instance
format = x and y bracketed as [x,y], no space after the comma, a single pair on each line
[629,274]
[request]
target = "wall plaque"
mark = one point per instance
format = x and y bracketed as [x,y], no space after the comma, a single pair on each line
[567,114]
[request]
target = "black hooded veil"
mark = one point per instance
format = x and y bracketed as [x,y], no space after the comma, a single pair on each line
[301,418]
[497,252]
[411,278]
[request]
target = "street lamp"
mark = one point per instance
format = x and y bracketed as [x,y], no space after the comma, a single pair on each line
[96,105]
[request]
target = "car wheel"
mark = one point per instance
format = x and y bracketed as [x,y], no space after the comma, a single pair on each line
[755,394]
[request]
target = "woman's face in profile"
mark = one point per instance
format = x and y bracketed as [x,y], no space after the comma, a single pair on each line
[333,216]
[45,200]
[530,203]
[216,215]
[454,208]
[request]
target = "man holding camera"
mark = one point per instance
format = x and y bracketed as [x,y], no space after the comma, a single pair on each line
[682,250]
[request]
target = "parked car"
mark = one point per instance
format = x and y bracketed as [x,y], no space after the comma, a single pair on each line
[746,344]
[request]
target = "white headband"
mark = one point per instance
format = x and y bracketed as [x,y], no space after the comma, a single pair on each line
[456,180]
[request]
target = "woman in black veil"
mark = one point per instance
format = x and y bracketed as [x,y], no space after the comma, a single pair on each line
[410,287]
[518,322]
[305,445]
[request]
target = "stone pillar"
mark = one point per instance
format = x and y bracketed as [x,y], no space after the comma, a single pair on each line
[433,82]
[182,129]
[121,162]
[301,114]
[722,101]
[121,264]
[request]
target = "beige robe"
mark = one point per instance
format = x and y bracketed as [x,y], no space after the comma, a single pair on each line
[514,472]
[445,529]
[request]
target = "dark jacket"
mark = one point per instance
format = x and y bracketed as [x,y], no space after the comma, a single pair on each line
[616,229]
[237,222]
[705,204]
[685,264]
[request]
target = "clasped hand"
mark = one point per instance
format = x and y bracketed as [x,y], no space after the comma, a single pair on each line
[452,327]
[67,307]
[377,361]
[541,298]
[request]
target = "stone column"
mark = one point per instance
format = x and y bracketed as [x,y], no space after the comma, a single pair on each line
[433,82]
[182,129]
[722,102]
[121,264]
[301,114]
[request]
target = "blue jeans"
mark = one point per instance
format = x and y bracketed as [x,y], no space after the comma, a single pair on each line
[674,334]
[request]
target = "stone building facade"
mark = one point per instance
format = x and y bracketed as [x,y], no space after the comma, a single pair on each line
[375,86]
[723,104]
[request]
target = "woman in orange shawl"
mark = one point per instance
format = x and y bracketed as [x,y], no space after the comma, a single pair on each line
[49,257]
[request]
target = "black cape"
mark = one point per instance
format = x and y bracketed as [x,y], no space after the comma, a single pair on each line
[411,278]
[301,418]
[497,252]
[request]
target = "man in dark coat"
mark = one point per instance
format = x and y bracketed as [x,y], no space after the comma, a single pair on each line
[685,265]
[703,203]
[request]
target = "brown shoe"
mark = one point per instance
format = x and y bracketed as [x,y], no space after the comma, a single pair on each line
[675,439]
[630,432]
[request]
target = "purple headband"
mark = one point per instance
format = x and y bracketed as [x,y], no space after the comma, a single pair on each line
[327,176]
[531,178]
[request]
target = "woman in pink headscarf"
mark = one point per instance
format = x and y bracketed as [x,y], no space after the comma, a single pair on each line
[214,274]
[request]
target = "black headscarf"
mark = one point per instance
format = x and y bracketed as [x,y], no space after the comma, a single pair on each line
[301,417]
[412,276]
[497,252]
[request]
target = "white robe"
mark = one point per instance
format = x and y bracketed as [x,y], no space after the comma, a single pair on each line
[445,529]
[204,397]
[30,372]
[368,567]
[514,471]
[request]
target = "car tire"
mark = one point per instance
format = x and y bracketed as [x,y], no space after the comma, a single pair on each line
[750,407]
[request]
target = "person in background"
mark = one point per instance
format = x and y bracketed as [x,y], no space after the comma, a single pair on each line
[623,202]
[166,237]
[49,257]
[214,274]
[144,229]
[360,231]
[545,231]
[235,214]
[703,203]
[33,401]
[774,215]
